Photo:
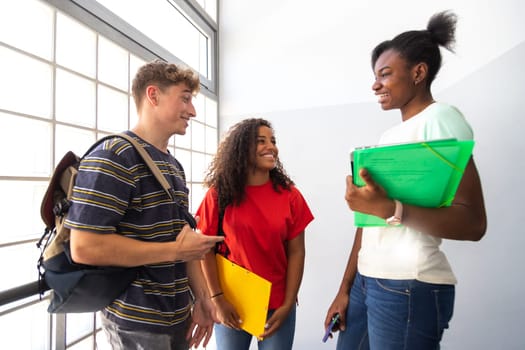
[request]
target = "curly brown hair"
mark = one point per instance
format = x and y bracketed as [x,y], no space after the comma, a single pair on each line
[163,75]
[228,171]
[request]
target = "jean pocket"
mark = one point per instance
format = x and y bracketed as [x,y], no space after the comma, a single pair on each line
[393,286]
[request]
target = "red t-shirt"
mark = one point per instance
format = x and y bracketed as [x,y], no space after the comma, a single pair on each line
[256,231]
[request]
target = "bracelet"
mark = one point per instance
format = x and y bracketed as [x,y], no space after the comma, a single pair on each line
[216,295]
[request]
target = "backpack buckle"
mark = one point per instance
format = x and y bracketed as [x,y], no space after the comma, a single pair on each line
[61,207]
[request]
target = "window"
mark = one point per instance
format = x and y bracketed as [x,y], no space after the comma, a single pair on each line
[66,68]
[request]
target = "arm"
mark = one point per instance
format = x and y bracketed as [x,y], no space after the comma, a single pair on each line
[93,248]
[203,315]
[464,219]
[226,313]
[340,303]
[295,251]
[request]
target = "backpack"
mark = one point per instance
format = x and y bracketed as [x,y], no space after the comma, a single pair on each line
[78,287]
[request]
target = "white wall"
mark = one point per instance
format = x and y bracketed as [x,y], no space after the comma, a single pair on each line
[306,69]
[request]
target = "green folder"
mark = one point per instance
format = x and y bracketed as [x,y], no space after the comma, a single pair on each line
[425,174]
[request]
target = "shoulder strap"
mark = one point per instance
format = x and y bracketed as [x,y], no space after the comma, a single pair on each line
[145,157]
[150,163]
[220,230]
[221,247]
[154,170]
[158,175]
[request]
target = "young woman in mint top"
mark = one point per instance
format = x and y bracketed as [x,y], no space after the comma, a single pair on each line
[398,288]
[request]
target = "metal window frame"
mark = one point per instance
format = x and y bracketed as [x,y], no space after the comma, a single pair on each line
[114,28]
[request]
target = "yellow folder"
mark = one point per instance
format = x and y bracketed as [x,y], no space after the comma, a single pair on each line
[247,292]
[425,173]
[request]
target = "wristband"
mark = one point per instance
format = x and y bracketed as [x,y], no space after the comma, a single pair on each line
[395,220]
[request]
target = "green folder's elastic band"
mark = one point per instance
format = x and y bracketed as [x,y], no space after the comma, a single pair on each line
[446,161]
[446,203]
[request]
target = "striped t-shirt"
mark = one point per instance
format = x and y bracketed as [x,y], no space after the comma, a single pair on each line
[115,192]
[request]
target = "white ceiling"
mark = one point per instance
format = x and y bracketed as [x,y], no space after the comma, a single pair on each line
[294,54]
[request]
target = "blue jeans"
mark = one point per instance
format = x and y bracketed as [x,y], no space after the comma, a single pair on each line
[396,315]
[232,339]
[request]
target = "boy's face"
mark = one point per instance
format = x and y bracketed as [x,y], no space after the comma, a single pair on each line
[175,108]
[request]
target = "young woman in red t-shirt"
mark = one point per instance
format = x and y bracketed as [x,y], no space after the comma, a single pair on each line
[264,220]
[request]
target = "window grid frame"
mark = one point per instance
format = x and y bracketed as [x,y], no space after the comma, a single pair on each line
[144,49]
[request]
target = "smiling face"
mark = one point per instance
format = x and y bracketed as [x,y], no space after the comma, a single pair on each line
[266,151]
[394,83]
[400,85]
[175,108]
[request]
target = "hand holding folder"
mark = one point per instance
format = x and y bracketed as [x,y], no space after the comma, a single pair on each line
[424,173]
[247,292]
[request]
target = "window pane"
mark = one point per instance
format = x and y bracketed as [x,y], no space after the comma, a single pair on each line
[197,136]
[211,140]
[78,325]
[184,157]
[198,102]
[211,112]
[69,52]
[23,258]
[37,152]
[198,166]
[112,109]
[210,6]
[204,62]
[26,328]
[184,141]
[189,45]
[134,64]
[72,139]
[159,21]
[27,25]
[16,90]
[211,9]
[208,160]
[133,117]
[75,99]
[197,192]
[20,201]
[112,64]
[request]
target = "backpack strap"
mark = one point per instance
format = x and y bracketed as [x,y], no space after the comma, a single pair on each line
[158,175]
[152,167]
[150,163]
[221,247]
[144,155]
